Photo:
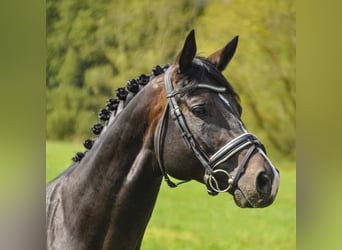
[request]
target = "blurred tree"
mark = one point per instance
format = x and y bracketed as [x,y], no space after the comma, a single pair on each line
[263,70]
[96,46]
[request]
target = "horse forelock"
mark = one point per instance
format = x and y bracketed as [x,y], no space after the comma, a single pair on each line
[201,69]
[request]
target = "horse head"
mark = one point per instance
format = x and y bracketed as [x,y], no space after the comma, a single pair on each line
[201,135]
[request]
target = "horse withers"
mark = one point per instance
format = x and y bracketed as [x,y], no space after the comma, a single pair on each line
[183,120]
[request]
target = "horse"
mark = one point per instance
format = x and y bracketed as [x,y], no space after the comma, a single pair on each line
[183,121]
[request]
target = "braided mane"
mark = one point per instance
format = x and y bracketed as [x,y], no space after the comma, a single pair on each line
[115,105]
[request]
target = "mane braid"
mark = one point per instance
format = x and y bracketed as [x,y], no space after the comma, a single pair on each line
[115,105]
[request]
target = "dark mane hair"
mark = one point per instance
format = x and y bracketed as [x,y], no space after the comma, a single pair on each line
[115,105]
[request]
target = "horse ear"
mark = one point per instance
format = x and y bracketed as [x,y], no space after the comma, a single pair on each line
[185,57]
[222,57]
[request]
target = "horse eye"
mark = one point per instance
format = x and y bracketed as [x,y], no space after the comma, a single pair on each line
[199,110]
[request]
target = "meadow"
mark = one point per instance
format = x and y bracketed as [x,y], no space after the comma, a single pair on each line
[188,218]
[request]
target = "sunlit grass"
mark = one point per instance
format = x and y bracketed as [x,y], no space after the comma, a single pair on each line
[58,157]
[188,218]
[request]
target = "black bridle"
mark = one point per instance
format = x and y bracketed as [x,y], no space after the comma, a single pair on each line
[209,163]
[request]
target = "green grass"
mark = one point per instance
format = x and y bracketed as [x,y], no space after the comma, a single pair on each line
[58,157]
[188,218]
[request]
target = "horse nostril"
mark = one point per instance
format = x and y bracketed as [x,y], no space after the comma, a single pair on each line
[263,183]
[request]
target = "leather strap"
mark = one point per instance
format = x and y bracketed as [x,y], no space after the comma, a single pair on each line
[222,155]
[161,130]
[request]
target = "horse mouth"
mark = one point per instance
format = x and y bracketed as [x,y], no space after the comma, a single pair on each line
[240,199]
[244,201]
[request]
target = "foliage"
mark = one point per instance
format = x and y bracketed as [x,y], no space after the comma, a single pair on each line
[263,70]
[96,46]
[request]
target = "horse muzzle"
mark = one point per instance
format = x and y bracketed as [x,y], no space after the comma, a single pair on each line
[254,183]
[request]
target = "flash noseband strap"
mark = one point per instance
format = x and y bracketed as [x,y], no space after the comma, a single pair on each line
[231,148]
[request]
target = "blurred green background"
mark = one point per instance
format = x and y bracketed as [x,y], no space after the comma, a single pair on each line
[93,47]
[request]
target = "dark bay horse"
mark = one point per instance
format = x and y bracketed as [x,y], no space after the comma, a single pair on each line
[182,120]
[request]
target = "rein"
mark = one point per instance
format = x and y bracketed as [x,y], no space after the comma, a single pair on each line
[209,163]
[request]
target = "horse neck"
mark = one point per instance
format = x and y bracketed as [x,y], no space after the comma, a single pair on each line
[111,194]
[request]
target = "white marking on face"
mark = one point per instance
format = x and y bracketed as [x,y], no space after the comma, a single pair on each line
[231,108]
[276,179]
